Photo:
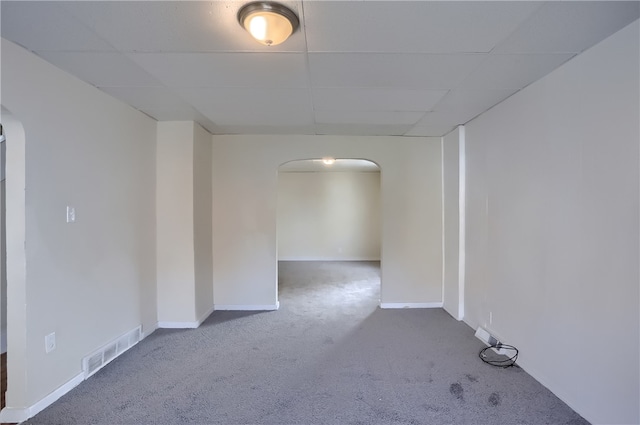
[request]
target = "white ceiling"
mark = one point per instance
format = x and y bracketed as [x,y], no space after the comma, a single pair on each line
[413,68]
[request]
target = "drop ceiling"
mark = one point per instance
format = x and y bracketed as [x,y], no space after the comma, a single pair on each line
[409,68]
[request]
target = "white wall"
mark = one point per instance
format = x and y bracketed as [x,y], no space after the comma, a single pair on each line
[553,228]
[329,216]
[3,254]
[202,204]
[16,259]
[183,208]
[175,222]
[451,221]
[245,184]
[92,280]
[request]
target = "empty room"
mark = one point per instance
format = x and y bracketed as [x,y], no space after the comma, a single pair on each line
[320,212]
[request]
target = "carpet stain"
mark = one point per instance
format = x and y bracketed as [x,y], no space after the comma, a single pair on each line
[124,405]
[456,390]
[471,378]
[328,340]
[494,399]
[431,408]
[386,415]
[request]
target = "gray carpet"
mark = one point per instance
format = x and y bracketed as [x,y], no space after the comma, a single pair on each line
[328,356]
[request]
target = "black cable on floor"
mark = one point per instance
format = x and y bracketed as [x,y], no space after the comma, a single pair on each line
[499,361]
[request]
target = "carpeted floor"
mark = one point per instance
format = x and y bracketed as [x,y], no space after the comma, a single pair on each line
[328,356]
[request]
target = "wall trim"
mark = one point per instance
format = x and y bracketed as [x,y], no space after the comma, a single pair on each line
[248,307]
[152,329]
[411,305]
[16,415]
[462,218]
[178,325]
[205,315]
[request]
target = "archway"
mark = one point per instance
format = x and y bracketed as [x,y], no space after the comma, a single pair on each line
[329,230]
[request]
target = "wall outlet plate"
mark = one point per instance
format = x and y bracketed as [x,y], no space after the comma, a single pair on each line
[484,336]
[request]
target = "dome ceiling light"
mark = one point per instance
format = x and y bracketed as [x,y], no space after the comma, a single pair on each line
[268,22]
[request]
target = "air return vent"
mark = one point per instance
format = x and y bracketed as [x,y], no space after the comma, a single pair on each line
[99,358]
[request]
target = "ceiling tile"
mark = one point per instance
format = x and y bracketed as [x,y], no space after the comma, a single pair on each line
[413,26]
[264,129]
[247,99]
[147,97]
[46,25]
[570,26]
[367,117]
[175,26]
[101,69]
[185,114]
[242,106]
[460,106]
[362,129]
[481,99]
[226,69]
[390,70]
[450,118]
[436,130]
[513,71]
[372,99]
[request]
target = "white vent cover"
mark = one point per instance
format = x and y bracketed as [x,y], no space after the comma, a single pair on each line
[99,358]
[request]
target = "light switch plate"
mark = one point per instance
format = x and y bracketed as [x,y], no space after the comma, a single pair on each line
[50,342]
[71,214]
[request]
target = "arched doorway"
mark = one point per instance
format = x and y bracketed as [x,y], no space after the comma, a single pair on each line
[329,232]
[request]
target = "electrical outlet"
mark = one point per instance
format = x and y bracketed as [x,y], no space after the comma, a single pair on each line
[50,342]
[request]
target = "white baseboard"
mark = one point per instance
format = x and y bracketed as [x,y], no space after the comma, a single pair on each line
[178,325]
[205,315]
[146,333]
[16,415]
[186,325]
[458,317]
[410,305]
[249,307]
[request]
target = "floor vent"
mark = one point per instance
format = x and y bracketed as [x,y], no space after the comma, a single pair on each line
[99,358]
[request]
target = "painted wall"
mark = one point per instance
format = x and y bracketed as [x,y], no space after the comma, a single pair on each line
[175,222]
[245,188]
[183,209]
[16,259]
[451,221]
[3,253]
[329,216]
[88,281]
[202,204]
[553,228]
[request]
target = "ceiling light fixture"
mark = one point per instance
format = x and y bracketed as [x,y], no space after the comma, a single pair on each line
[268,22]
[328,161]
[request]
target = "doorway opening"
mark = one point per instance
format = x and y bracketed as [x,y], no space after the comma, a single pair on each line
[329,232]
